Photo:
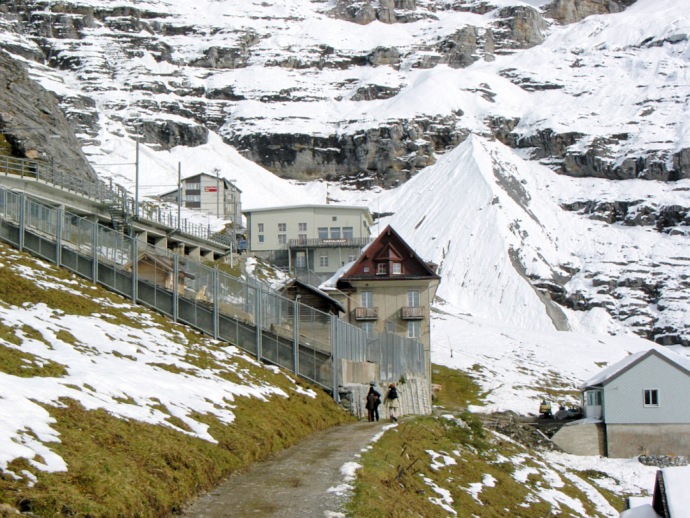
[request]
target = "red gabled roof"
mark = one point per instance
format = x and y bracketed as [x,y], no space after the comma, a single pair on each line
[389,248]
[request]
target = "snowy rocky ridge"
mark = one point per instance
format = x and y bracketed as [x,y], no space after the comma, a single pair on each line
[563,126]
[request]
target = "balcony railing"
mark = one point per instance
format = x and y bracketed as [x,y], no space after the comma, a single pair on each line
[412,313]
[329,243]
[366,313]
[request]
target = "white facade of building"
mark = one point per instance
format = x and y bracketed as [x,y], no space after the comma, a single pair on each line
[642,402]
[210,194]
[316,238]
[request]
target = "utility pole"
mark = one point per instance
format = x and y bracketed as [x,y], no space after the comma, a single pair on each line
[218,193]
[179,195]
[136,174]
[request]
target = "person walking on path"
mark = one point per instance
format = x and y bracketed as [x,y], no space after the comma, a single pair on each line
[393,402]
[373,402]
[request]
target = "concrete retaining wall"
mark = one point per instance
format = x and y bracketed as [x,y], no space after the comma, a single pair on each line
[581,438]
[357,372]
[630,440]
[415,398]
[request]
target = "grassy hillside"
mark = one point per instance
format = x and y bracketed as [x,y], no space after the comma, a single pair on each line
[451,465]
[117,411]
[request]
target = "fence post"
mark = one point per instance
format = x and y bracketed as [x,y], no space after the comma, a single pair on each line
[94,244]
[22,203]
[335,351]
[257,317]
[135,269]
[176,286]
[295,326]
[58,237]
[215,303]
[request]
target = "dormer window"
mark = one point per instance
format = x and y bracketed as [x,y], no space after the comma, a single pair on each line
[381,269]
[396,269]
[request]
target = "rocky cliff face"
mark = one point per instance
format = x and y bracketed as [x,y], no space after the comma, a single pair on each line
[32,125]
[367,93]
[94,44]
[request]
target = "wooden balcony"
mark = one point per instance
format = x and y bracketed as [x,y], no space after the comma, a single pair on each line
[366,313]
[412,313]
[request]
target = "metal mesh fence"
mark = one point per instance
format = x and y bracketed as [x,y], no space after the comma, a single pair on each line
[243,311]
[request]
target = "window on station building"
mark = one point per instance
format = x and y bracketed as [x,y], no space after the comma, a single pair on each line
[261,227]
[323,261]
[282,239]
[367,327]
[381,269]
[413,329]
[348,232]
[323,232]
[397,269]
[302,227]
[282,227]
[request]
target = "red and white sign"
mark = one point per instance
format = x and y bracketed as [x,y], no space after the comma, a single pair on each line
[210,189]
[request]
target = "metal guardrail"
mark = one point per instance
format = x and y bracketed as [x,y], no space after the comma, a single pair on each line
[244,312]
[107,193]
[328,243]
[47,173]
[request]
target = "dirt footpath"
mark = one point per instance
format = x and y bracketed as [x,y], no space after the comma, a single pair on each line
[296,482]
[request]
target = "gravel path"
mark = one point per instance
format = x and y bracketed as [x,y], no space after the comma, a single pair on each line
[301,481]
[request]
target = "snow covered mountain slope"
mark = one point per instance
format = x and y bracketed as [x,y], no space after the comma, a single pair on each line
[507,250]
[372,93]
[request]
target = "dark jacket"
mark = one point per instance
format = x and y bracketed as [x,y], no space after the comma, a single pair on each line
[373,399]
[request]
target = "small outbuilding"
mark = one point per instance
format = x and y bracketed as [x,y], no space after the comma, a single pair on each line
[159,270]
[671,497]
[642,402]
[311,296]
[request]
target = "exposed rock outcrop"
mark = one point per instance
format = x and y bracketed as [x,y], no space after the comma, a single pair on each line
[385,156]
[32,124]
[386,11]
[519,27]
[671,219]
[571,11]
[558,150]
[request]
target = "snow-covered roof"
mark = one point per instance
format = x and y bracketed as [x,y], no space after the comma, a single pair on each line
[329,284]
[676,483]
[615,370]
[642,511]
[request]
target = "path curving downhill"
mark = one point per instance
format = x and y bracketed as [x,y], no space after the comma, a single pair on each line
[302,481]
